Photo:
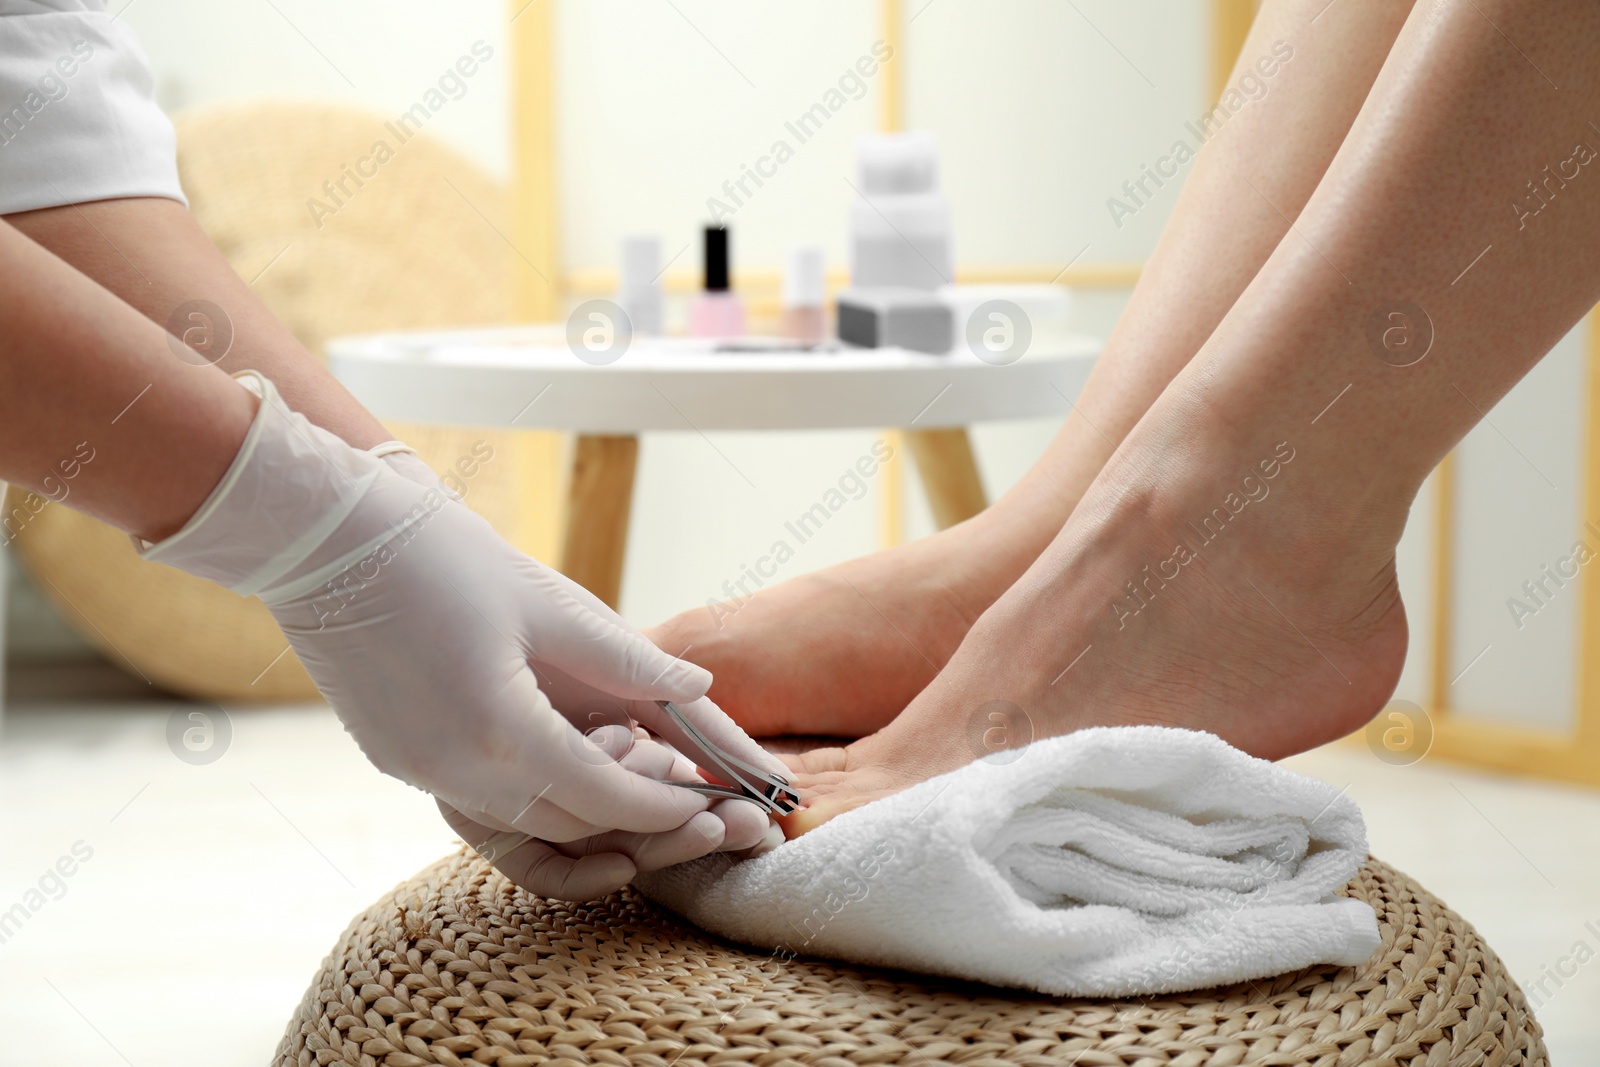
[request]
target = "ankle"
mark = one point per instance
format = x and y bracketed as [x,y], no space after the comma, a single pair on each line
[1172,523]
[1314,499]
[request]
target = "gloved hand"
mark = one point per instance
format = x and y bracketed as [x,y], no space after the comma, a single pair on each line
[426,632]
[592,867]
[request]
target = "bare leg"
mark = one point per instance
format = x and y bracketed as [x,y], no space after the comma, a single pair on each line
[819,654]
[150,252]
[1282,627]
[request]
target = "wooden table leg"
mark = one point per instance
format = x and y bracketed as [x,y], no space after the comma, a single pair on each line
[949,474]
[599,501]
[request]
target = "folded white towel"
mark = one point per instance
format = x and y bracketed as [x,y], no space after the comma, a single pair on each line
[1109,862]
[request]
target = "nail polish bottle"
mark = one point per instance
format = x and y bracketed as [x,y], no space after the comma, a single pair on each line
[716,310]
[804,287]
[639,284]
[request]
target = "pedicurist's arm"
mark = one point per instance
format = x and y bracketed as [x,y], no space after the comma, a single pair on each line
[445,651]
[96,411]
[150,252]
[432,638]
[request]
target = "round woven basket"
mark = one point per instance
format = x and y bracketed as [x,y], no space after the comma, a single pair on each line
[415,246]
[458,966]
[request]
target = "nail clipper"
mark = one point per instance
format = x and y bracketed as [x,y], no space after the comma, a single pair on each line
[771,791]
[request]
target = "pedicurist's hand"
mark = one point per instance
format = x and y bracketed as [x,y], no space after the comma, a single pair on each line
[593,867]
[424,629]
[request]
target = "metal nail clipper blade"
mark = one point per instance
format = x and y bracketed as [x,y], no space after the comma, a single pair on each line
[771,791]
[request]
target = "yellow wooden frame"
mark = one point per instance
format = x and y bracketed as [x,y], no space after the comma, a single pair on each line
[542,284]
[535,194]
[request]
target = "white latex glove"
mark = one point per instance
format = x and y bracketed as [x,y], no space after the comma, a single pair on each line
[592,867]
[595,866]
[425,631]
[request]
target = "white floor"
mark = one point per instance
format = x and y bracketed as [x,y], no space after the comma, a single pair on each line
[212,892]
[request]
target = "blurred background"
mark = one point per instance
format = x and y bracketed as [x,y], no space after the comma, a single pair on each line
[225,875]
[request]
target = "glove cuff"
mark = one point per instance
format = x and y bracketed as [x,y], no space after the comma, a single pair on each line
[389,448]
[289,486]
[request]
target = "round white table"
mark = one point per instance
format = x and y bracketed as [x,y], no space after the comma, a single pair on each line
[526,377]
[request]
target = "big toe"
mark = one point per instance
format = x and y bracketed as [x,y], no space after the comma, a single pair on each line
[821,810]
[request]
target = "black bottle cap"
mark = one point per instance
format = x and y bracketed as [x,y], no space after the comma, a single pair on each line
[716,259]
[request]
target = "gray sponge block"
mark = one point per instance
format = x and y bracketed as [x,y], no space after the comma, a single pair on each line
[896,317]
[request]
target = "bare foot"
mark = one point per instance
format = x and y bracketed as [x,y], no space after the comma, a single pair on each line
[842,651]
[1278,626]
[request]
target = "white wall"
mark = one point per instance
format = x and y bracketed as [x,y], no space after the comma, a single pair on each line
[383,54]
[1517,511]
[1043,110]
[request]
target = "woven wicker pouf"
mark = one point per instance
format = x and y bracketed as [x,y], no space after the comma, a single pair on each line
[458,966]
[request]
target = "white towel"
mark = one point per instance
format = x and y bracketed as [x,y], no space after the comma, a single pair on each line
[1110,862]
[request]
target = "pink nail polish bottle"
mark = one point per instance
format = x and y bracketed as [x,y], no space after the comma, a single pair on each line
[716,310]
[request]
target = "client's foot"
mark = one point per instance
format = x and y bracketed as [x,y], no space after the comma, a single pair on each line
[1234,585]
[842,651]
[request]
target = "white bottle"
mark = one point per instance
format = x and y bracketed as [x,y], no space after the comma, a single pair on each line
[639,284]
[899,222]
[805,290]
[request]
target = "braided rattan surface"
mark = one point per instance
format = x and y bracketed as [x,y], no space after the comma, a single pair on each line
[457,966]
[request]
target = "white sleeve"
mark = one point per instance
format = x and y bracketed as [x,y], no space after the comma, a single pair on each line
[78,117]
